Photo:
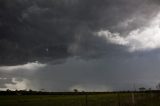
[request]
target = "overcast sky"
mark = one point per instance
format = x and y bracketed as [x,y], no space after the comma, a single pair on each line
[89,45]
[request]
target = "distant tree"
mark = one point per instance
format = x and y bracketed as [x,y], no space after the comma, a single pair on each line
[158,86]
[75,90]
[8,90]
[30,90]
[24,90]
[142,89]
[150,89]
[42,90]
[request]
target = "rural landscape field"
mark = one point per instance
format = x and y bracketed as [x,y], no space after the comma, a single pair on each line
[148,98]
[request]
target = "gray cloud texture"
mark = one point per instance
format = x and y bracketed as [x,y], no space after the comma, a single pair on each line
[45,30]
[62,34]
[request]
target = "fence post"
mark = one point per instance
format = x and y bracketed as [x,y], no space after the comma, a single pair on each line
[118,96]
[133,98]
[86,99]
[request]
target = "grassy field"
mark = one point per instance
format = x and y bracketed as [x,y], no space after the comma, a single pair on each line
[106,99]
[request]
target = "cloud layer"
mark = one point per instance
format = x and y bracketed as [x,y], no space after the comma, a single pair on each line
[28,66]
[46,30]
[85,44]
[141,39]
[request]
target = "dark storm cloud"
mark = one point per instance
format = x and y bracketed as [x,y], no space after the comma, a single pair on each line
[64,32]
[45,30]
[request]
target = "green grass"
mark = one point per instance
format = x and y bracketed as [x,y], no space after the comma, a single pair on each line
[109,99]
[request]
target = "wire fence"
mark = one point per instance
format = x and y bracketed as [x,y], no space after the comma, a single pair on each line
[83,99]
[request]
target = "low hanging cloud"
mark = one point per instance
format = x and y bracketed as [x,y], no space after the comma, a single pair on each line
[141,39]
[29,67]
[16,77]
[102,74]
[16,85]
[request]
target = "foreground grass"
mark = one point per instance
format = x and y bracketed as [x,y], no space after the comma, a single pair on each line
[108,99]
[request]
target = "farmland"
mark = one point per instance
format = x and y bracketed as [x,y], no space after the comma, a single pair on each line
[82,99]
